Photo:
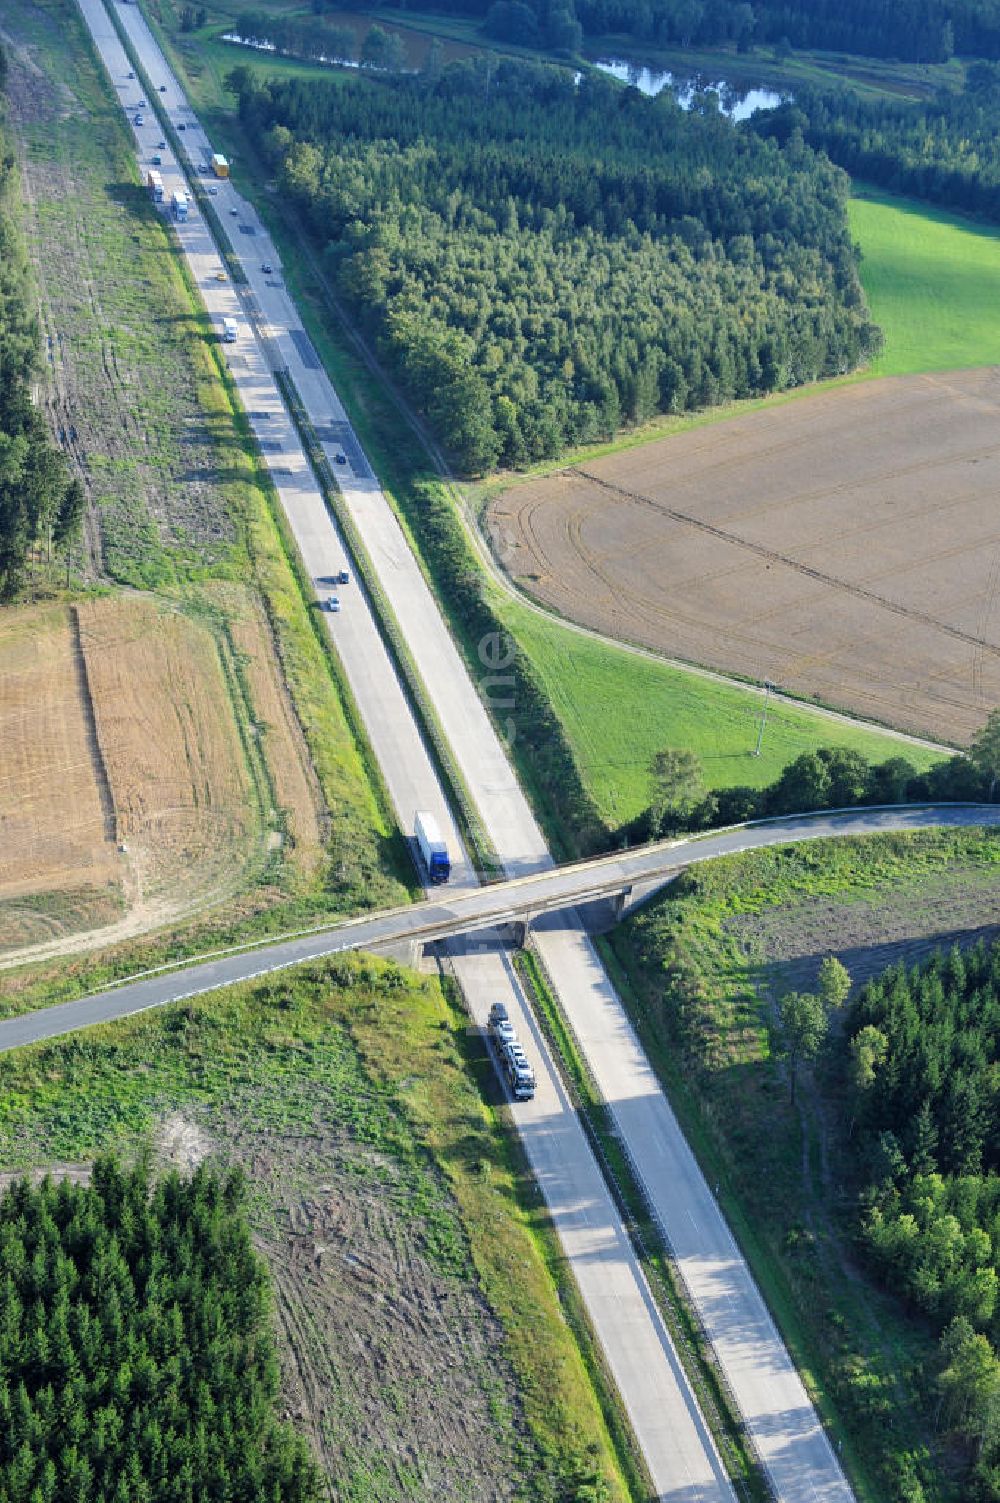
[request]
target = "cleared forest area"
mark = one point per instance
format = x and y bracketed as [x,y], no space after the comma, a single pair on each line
[421,1307]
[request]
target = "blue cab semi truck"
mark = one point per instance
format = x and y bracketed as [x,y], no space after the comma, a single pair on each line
[433,850]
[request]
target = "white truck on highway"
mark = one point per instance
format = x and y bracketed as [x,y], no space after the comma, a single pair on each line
[154,182]
[179,203]
[432,846]
[230,330]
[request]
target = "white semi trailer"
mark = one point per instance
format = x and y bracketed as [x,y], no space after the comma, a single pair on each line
[433,849]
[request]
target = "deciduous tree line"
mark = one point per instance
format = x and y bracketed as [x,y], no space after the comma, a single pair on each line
[136,1357]
[832,777]
[946,149]
[912,30]
[38,501]
[299,36]
[543,261]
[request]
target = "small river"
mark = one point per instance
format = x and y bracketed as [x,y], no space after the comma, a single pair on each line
[737,103]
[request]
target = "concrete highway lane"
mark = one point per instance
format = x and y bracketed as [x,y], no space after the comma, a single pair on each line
[679,1454]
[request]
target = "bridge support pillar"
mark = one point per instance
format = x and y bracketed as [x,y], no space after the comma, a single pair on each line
[620,903]
[637,893]
[408,952]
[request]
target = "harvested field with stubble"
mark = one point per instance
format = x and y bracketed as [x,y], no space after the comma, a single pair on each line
[183,799]
[142,751]
[845,546]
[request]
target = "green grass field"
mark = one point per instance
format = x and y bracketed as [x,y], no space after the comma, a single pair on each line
[933,282]
[619,707]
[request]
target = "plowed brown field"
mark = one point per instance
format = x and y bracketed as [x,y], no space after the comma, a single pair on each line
[846,546]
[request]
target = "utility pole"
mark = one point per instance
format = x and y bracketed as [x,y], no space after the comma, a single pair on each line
[768,686]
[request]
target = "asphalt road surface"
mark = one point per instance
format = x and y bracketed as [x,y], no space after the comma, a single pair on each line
[678,1452]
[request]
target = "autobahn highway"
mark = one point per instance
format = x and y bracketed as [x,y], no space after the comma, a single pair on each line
[671,1435]
[679,1454]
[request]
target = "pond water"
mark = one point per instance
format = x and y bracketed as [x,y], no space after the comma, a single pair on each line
[416,43]
[737,103]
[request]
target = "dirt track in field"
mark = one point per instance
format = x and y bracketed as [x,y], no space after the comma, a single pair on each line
[845,546]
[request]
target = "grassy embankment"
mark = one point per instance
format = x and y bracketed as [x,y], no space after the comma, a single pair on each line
[654,704]
[620,707]
[156,335]
[376,1069]
[698,969]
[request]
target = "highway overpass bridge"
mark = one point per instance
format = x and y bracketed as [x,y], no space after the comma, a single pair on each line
[621,880]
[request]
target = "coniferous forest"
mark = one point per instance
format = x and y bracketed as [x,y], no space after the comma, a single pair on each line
[541,261]
[136,1358]
[925,1051]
